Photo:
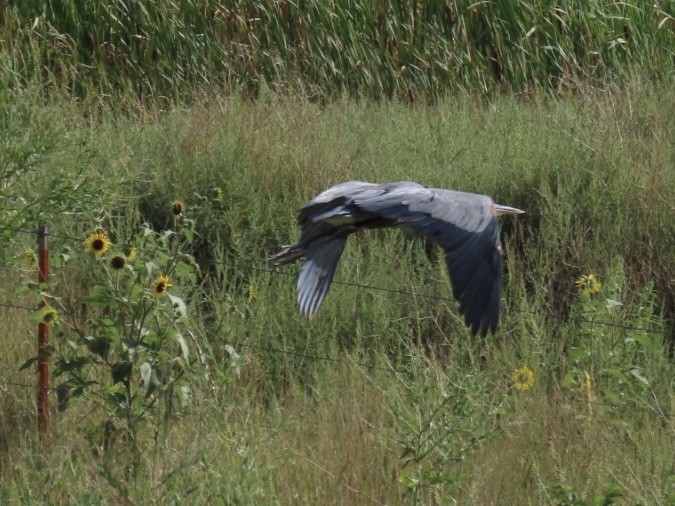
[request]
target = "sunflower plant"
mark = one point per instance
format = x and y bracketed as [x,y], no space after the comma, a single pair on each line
[123,344]
[613,345]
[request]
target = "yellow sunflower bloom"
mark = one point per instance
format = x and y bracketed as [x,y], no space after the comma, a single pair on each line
[159,286]
[523,378]
[118,262]
[29,258]
[588,284]
[98,243]
[50,317]
[130,253]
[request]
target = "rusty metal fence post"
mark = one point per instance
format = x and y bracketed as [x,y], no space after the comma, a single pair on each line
[43,336]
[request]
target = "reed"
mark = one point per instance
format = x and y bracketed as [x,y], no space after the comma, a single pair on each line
[408,49]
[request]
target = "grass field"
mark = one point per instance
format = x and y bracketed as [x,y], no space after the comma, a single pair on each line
[182,371]
[385,398]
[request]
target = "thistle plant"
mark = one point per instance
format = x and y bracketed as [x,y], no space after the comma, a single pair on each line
[459,421]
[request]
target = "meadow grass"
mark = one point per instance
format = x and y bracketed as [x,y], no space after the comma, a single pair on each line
[385,398]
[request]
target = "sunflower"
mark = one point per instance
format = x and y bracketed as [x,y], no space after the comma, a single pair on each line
[129,252]
[523,378]
[50,317]
[588,284]
[177,208]
[29,259]
[159,286]
[118,262]
[98,243]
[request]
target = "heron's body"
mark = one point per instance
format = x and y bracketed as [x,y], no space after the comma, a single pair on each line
[463,224]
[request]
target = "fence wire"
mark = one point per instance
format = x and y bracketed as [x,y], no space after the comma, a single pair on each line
[4,383]
[367,286]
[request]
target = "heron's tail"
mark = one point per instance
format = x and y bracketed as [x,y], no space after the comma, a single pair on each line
[287,254]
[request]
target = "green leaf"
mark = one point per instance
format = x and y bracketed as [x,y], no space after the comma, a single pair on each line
[76,364]
[644,340]
[185,271]
[189,234]
[66,391]
[136,292]
[409,481]
[185,351]
[616,373]
[117,397]
[149,379]
[235,359]
[570,378]
[98,345]
[179,305]
[613,304]
[609,497]
[186,395]
[38,316]
[120,371]
[638,373]
[29,363]
[578,354]
[612,397]
[99,295]
[151,268]
[23,289]
[146,376]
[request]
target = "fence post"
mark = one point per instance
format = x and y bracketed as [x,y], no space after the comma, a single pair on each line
[43,336]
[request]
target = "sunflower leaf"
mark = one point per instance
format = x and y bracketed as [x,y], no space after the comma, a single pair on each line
[120,371]
[179,305]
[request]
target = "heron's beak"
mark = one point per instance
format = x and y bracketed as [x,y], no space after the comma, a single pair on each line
[499,210]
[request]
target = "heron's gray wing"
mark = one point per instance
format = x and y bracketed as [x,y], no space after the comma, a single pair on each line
[326,221]
[321,259]
[464,225]
[475,268]
[331,201]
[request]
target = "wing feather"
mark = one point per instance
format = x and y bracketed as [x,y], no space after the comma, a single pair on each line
[321,259]
[464,225]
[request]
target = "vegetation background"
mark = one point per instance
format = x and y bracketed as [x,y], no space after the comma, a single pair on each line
[215,389]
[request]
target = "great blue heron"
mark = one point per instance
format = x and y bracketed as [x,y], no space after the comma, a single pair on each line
[463,224]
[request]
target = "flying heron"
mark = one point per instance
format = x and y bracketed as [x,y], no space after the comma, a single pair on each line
[463,224]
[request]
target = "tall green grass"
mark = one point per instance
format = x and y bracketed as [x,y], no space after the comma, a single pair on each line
[166,51]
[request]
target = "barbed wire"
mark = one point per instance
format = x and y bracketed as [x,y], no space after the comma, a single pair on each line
[368,286]
[23,385]
[15,306]
[408,293]
[316,357]
[302,354]
[35,231]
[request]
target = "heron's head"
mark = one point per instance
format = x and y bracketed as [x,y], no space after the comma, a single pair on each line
[500,210]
